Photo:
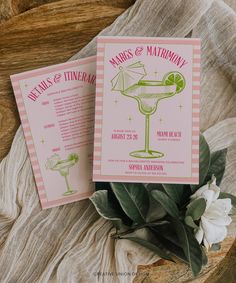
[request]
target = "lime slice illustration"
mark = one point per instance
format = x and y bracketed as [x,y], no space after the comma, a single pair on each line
[55,163]
[174,78]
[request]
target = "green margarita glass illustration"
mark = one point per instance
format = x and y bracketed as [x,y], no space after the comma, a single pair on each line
[129,82]
[55,163]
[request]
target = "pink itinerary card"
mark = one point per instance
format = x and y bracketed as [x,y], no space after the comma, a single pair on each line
[147,110]
[56,107]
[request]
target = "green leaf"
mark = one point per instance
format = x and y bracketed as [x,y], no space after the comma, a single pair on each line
[204,159]
[168,232]
[114,203]
[104,207]
[187,192]
[155,210]
[174,191]
[152,186]
[204,162]
[169,241]
[233,201]
[189,221]
[149,245]
[157,223]
[191,247]
[204,257]
[167,203]
[196,208]
[217,165]
[133,199]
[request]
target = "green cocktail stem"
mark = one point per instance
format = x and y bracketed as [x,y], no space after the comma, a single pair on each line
[147,132]
[67,184]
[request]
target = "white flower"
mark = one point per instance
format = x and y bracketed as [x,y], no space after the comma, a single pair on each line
[212,228]
[52,161]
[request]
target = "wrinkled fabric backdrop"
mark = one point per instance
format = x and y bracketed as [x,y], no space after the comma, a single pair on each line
[72,242]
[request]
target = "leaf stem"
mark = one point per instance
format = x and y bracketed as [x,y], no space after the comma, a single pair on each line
[150,224]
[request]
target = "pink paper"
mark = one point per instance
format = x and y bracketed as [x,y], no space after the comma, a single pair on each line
[147,110]
[56,107]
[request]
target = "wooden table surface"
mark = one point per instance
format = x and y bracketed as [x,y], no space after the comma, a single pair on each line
[38,33]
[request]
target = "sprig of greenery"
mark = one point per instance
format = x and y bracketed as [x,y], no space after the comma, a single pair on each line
[160,217]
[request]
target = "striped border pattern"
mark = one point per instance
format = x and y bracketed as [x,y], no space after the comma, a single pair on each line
[149,40]
[15,80]
[98,110]
[29,141]
[196,66]
[97,161]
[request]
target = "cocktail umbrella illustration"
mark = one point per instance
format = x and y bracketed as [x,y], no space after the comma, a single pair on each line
[148,94]
[62,166]
[128,76]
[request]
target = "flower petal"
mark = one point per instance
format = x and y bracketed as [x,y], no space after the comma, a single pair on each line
[199,192]
[217,213]
[221,221]
[224,204]
[208,196]
[213,233]
[199,234]
[206,244]
[216,191]
[213,180]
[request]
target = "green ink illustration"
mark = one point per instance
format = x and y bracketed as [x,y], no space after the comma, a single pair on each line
[129,82]
[55,163]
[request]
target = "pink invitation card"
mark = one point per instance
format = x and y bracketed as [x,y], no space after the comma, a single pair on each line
[56,107]
[147,110]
